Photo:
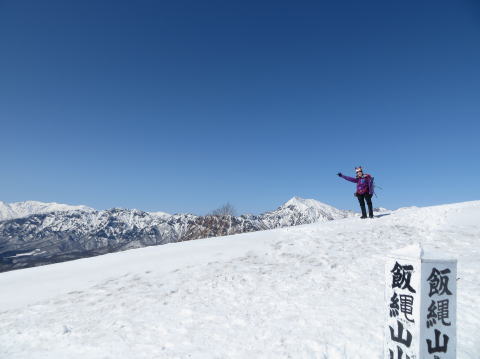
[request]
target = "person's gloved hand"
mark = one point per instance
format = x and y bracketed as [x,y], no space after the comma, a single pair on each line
[339,174]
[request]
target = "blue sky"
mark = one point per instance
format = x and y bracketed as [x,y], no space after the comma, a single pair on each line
[183,105]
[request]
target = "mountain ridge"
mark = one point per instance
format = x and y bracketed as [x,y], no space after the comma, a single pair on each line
[26,208]
[57,236]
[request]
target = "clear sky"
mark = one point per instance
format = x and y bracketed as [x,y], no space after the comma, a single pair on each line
[182,105]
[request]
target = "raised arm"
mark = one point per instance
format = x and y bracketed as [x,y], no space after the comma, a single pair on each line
[351,179]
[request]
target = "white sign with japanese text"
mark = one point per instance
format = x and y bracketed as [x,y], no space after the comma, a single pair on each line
[439,309]
[420,299]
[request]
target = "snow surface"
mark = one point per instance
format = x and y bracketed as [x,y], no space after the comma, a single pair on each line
[311,291]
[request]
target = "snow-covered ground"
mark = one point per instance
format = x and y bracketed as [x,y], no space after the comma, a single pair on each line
[311,291]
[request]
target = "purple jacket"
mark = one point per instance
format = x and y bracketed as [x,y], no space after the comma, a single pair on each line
[364,184]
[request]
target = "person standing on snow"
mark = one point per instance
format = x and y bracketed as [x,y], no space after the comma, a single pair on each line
[364,190]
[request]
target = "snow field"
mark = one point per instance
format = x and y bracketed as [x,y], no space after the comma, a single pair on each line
[311,291]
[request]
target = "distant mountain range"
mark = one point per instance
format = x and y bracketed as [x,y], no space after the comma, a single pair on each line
[35,233]
[27,208]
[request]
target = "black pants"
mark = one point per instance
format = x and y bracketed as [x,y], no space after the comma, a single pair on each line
[361,200]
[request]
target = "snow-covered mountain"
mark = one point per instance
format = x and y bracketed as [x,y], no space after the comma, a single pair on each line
[302,211]
[27,208]
[55,236]
[311,291]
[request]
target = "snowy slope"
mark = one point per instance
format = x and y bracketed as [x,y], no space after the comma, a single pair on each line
[27,208]
[310,291]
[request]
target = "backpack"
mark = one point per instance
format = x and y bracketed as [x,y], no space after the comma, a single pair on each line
[371,184]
